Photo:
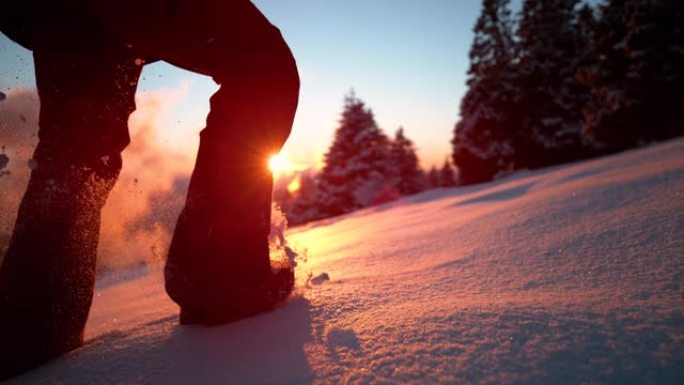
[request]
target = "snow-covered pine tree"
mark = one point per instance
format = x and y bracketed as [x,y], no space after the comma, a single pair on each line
[433,177]
[446,175]
[303,207]
[637,80]
[282,196]
[405,161]
[550,51]
[606,73]
[655,47]
[586,29]
[358,171]
[482,142]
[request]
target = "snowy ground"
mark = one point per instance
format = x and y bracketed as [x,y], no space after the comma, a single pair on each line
[562,276]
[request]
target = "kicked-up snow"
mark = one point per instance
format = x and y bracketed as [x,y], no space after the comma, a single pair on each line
[569,275]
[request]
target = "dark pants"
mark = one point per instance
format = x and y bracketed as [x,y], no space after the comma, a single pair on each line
[87,77]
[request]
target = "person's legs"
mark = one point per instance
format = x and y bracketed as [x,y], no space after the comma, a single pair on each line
[220,243]
[218,262]
[86,83]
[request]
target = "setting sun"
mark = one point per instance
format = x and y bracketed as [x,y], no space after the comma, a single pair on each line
[278,163]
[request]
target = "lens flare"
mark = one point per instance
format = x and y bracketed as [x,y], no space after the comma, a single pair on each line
[278,164]
[295,185]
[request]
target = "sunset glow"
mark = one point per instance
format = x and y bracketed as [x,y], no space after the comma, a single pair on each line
[295,185]
[279,164]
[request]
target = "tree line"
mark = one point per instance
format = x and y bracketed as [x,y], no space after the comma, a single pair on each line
[559,81]
[362,167]
[565,81]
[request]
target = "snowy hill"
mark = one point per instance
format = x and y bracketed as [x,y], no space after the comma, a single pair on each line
[561,276]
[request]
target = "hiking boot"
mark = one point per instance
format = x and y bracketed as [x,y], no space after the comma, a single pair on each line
[244,300]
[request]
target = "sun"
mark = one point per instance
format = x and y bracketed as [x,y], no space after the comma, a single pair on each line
[278,163]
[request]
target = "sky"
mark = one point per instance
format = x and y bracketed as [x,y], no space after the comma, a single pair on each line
[406,59]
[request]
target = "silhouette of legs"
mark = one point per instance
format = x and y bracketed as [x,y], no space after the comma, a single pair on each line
[220,246]
[218,261]
[86,84]
[218,264]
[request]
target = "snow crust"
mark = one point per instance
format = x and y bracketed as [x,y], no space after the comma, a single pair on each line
[566,275]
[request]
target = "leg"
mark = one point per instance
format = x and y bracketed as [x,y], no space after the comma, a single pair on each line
[86,84]
[218,260]
[220,241]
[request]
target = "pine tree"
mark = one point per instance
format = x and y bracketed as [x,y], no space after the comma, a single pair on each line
[303,207]
[586,28]
[483,138]
[405,162]
[446,175]
[550,51]
[281,194]
[655,47]
[358,170]
[433,177]
[637,80]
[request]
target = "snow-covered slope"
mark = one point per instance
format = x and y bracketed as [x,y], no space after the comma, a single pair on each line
[561,276]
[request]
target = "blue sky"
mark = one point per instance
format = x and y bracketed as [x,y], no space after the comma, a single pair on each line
[407,59]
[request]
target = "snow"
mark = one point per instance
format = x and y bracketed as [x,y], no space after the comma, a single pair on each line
[566,275]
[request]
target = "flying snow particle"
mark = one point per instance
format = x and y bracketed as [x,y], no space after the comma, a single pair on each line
[319,279]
